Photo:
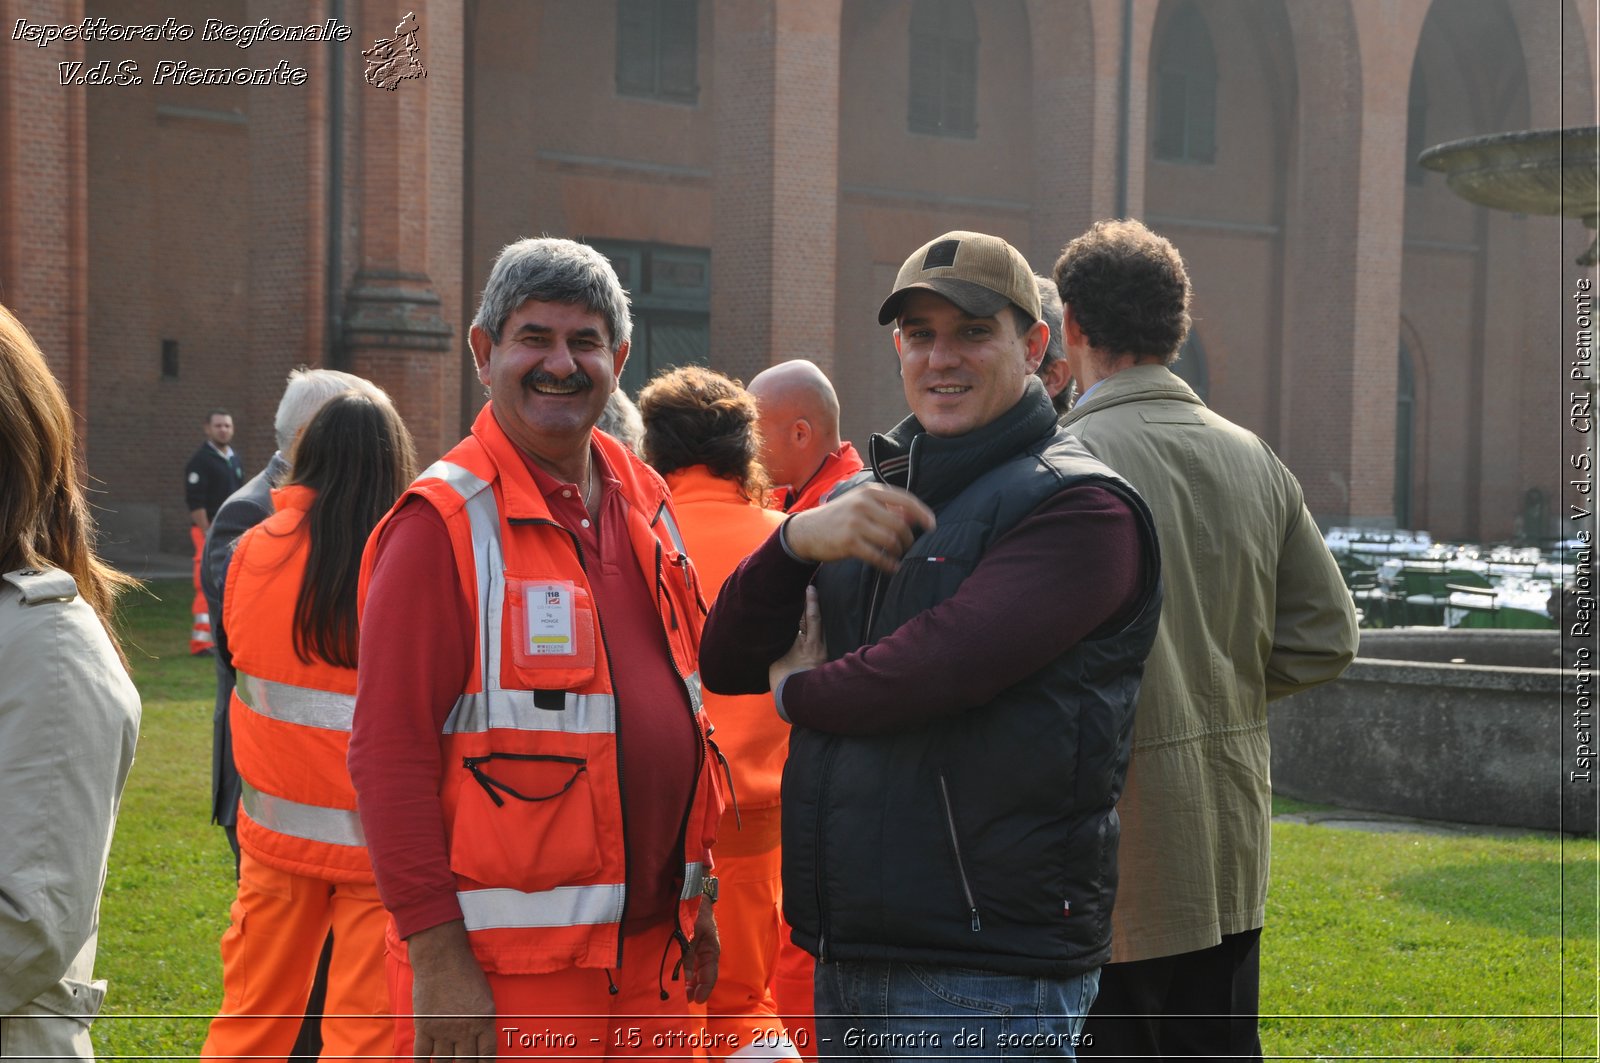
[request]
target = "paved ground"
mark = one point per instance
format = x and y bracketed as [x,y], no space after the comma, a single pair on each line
[1383,823]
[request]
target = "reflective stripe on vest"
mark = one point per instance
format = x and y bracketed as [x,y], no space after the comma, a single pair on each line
[516,710]
[484,519]
[497,909]
[664,518]
[583,713]
[335,826]
[301,705]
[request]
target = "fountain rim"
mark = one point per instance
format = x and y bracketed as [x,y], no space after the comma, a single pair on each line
[1435,158]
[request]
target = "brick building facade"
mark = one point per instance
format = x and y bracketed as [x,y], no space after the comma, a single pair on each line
[759,168]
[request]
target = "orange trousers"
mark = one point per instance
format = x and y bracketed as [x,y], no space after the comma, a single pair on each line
[572,1013]
[269,955]
[742,1014]
[200,634]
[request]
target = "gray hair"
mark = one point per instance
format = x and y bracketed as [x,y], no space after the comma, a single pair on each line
[1050,313]
[553,270]
[622,421]
[307,392]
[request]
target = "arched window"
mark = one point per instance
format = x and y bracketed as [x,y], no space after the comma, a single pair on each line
[1416,123]
[944,68]
[1405,399]
[1186,89]
[657,43]
[1191,366]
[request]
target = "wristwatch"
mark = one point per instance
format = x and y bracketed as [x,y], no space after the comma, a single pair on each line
[708,889]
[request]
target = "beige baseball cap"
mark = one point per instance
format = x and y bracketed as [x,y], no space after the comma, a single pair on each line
[978,272]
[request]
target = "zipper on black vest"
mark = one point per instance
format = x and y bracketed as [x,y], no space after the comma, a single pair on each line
[955,846]
[822,796]
[877,580]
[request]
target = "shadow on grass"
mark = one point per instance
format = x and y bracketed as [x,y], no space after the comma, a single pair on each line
[1520,897]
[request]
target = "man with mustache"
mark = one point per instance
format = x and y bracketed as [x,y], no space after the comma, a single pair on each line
[529,750]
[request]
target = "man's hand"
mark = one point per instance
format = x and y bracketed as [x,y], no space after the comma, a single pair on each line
[874,523]
[700,961]
[808,650]
[450,995]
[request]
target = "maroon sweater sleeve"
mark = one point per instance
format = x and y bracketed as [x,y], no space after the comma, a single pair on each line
[416,650]
[1071,568]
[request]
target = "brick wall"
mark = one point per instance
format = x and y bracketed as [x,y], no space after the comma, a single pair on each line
[205,216]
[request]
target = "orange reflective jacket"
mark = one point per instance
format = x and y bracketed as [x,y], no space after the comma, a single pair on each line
[290,719]
[531,789]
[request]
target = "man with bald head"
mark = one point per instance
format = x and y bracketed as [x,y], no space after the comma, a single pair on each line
[800,443]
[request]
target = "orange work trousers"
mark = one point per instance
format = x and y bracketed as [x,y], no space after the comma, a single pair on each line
[200,633]
[574,1013]
[742,1016]
[269,956]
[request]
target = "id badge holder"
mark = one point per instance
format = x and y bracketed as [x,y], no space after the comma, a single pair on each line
[553,624]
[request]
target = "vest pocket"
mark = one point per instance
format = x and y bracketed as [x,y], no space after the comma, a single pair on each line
[526,821]
[552,632]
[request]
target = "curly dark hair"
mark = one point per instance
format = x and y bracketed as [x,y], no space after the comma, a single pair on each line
[698,416]
[1127,289]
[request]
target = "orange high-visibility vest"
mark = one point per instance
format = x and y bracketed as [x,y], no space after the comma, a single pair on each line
[290,719]
[720,529]
[531,787]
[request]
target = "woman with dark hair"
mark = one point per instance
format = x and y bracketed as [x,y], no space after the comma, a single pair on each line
[289,606]
[69,717]
[701,435]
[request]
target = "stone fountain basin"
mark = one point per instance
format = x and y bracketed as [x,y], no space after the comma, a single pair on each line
[1537,171]
[1408,732]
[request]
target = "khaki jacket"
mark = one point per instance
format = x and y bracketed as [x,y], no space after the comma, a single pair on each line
[69,717]
[1255,609]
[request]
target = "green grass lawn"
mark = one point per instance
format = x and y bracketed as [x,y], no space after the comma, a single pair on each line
[171,876]
[1393,946]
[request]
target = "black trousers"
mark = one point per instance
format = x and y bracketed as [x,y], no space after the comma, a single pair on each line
[1195,1005]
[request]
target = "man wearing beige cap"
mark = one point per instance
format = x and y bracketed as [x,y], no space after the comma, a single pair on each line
[974,609]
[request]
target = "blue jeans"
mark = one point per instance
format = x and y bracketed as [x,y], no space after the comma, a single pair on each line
[869,1009]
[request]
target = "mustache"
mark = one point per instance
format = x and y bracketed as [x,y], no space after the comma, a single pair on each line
[577,378]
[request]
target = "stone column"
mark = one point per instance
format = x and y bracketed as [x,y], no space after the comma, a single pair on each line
[1078,117]
[1342,242]
[396,330]
[775,203]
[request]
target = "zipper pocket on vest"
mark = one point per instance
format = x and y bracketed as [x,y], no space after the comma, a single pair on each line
[495,787]
[955,847]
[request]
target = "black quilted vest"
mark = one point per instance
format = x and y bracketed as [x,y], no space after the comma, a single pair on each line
[989,838]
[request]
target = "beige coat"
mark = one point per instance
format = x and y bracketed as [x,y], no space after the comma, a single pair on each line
[69,717]
[1255,609]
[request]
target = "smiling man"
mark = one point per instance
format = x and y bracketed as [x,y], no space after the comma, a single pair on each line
[529,626]
[961,691]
